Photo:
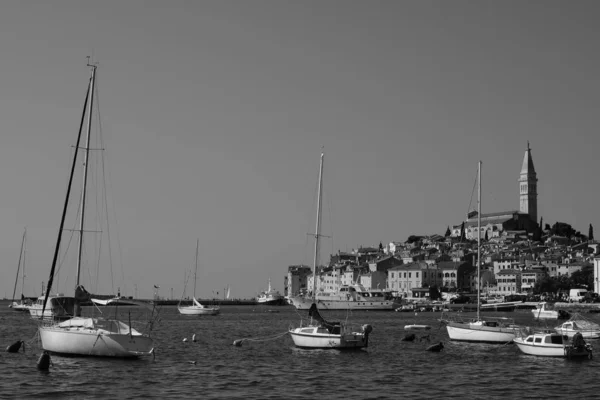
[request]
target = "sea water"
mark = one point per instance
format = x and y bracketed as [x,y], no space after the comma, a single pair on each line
[268,366]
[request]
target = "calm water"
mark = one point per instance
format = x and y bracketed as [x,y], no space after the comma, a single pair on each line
[269,367]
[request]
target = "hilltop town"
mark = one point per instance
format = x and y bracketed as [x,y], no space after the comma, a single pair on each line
[518,255]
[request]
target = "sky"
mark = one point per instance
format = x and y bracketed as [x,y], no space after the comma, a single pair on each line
[214,114]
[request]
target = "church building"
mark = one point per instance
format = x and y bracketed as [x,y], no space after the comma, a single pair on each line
[525,218]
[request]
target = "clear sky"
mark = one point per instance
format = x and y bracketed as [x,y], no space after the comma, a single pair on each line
[214,114]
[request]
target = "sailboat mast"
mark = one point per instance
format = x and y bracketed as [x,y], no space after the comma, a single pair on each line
[85,172]
[196,270]
[478,236]
[318,229]
[19,268]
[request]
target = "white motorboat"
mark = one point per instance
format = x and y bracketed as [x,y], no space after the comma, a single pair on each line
[270,296]
[545,310]
[479,329]
[58,307]
[579,324]
[196,308]
[552,344]
[77,335]
[319,333]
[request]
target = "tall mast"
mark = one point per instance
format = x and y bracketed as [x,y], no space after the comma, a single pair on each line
[19,268]
[196,270]
[478,236]
[85,171]
[317,229]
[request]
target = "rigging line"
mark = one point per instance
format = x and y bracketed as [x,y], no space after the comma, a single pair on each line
[472,193]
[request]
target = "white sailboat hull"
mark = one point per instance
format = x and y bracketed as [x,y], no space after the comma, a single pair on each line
[315,340]
[79,339]
[474,332]
[195,310]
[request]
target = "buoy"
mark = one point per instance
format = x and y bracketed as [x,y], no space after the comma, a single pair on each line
[194,337]
[192,362]
[238,342]
[436,347]
[184,340]
[43,363]
[14,348]
[409,338]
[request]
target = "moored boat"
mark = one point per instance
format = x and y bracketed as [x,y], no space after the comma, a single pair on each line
[480,329]
[270,296]
[552,344]
[545,310]
[579,324]
[349,297]
[320,333]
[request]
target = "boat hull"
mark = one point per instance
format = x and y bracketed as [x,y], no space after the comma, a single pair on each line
[302,303]
[20,306]
[328,341]
[194,310]
[469,332]
[549,350]
[82,341]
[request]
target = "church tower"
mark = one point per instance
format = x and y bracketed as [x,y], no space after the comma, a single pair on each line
[528,187]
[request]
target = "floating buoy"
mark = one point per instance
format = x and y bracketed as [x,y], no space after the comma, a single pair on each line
[43,363]
[409,338]
[436,347]
[194,338]
[192,362]
[238,342]
[16,346]
[184,339]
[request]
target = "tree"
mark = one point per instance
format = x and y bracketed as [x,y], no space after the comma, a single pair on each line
[591,233]
[486,236]
[448,232]
[462,231]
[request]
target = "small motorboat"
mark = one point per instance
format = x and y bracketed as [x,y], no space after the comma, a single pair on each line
[552,344]
[544,310]
[416,327]
[577,323]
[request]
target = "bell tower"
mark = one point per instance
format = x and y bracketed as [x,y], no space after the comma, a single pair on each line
[528,186]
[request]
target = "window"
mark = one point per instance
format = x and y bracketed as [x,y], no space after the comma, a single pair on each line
[416,274]
[409,274]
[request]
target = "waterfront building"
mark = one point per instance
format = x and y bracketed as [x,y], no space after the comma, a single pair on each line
[509,281]
[296,279]
[530,277]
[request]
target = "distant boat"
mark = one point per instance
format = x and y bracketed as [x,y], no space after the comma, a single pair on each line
[81,336]
[348,297]
[115,301]
[270,296]
[55,307]
[320,333]
[545,310]
[196,308]
[480,329]
[23,304]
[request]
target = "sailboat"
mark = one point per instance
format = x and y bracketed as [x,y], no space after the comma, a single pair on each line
[480,329]
[320,333]
[196,308]
[78,335]
[23,304]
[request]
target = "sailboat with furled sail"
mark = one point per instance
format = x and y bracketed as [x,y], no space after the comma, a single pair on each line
[320,333]
[87,336]
[197,308]
[480,329]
